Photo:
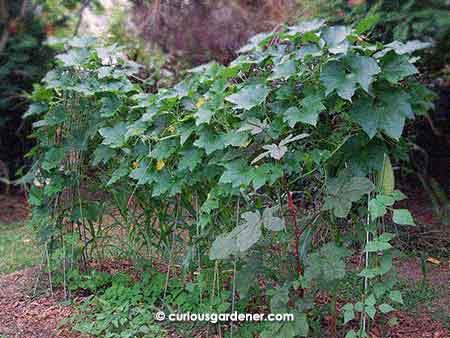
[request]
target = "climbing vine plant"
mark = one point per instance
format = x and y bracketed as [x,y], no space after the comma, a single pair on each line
[263,164]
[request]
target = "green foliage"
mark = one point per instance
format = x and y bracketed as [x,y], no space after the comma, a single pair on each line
[386,20]
[343,190]
[125,309]
[219,156]
[93,282]
[326,265]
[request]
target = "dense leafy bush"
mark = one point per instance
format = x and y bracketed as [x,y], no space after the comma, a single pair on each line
[399,20]
[250,162]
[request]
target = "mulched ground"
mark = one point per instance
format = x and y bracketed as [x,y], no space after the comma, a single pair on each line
[411,327]
[23,316]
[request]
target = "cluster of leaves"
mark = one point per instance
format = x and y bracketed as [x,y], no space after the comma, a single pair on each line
[311,109]
[123,307]
[399,20]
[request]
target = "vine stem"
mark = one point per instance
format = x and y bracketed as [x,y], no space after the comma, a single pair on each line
[199,257]
[234,270]
[49,269]
[366,279]
[64,270]
[297,233]
[172,247]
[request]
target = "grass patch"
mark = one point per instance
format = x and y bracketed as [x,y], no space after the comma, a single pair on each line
[17,248]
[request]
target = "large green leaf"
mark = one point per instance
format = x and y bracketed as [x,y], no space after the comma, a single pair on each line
[336,38]
[248,233]
[404,48]
[120,172]
[210,141]
[236,139]
[240,239]
[396,296]
[349,313]
[283,70]
[190,159]
[403,216]
[115,136]
[110,105]
[307,26]
[326,264]
[164,148]
[74,57]
[343,76]
[387,113]
[272,222]
[396,67]
[343,190]
[102,154]
[385,308]
[238,173]
[335,78]
[306,50]
[249,96]
[142,174]
[203,115]
[223,247]
[299,327]
[367,23]
[267,172]
[311,106]
[376,208]
[364,69]
[377,245]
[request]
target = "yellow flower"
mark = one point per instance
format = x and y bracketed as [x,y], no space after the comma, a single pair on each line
[171,129]
[200,102]
[160,164]
[135,165]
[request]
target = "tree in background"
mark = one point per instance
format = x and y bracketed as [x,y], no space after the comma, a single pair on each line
[24,59]
[201,31]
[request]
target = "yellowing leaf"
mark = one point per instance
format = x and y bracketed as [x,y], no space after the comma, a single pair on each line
[160,165]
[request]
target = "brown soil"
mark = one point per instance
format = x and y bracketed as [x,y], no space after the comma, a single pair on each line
[13,208]
[23,316]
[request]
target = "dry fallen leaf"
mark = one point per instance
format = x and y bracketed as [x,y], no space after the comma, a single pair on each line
[433,261]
